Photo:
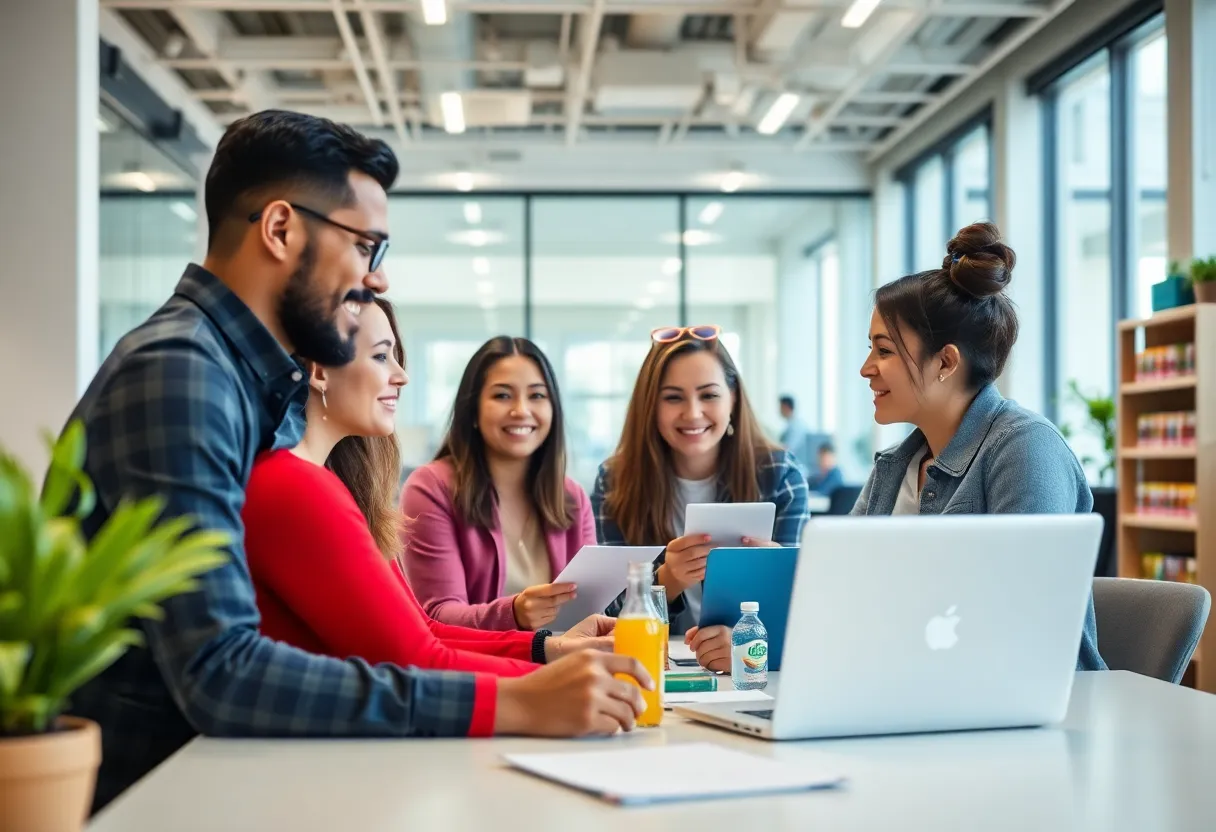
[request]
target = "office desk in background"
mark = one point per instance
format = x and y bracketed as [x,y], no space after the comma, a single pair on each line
[1133,754]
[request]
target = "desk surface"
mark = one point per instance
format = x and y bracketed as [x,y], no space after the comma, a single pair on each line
[1133,754]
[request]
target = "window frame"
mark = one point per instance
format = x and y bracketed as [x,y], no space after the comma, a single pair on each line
[945,149]
[1118,40]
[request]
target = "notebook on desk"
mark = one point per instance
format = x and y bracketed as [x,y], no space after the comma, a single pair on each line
[671,773]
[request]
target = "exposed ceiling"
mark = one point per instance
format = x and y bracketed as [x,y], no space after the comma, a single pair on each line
[582,72]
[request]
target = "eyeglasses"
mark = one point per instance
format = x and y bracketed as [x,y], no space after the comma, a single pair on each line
[701,332]
[379,244]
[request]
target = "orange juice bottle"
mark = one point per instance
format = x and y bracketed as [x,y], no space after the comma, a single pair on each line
[639,634]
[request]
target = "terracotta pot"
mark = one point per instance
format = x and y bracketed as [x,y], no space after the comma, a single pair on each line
[46,781]
[1205,291]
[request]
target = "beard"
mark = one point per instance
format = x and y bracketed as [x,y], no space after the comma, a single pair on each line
[309,318]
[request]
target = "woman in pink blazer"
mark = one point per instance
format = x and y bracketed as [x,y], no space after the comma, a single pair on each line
[494,518]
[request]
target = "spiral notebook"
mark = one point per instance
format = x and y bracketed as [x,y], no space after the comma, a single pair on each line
[671,773]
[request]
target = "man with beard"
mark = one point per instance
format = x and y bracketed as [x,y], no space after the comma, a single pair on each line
[297,229]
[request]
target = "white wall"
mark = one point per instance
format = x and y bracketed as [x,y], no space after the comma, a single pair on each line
[48,217]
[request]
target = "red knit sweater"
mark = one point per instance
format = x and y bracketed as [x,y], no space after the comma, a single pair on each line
[323,586]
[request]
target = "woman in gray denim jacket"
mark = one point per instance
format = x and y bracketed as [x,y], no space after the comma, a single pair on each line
[938,341]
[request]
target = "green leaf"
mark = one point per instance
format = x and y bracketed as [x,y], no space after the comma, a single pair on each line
[28,713]
[104,653]
[14,655]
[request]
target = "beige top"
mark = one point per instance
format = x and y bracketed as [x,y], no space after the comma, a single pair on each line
[527,559]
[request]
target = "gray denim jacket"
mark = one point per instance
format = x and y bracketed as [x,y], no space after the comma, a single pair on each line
[1004,459]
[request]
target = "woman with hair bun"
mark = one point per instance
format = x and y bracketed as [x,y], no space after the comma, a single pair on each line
[938,341]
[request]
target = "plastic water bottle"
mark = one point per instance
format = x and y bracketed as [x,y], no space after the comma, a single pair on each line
[749,650]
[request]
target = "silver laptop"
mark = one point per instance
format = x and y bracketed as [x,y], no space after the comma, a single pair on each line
[912,624]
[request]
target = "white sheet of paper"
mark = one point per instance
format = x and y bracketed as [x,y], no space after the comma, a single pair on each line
[728,523]
[601,573]
[714,697]
[693,771]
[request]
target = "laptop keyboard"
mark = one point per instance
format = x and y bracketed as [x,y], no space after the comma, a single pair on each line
[762,714]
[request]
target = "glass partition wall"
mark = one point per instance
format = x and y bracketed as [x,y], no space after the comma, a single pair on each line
[587,277]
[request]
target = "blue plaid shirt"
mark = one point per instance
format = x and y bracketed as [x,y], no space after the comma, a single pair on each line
[781,482]
[181,408]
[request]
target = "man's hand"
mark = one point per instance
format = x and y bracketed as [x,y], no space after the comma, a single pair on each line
[685,561]
[539,605]
[592,633]
[575,696]
[712,646]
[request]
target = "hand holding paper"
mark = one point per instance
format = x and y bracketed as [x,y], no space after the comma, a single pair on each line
[600,572]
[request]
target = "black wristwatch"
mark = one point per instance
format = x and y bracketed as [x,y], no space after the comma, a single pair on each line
[538,645]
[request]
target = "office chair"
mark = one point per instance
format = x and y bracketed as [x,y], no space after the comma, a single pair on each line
[1149,627]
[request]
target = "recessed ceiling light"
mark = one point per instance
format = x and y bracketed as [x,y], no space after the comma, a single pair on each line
[142,181]
[481,265]
[451,104]
[472,212]
[476,237]
[434,12]
[672,265]
[732,181]
[710,213]
[692,237]
[858,13]
[778,113]
[463,181]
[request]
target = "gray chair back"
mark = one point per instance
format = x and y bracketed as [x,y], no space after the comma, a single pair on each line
[1149,627]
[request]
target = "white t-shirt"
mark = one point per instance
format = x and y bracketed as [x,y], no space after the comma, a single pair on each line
[908,501]
[692,491]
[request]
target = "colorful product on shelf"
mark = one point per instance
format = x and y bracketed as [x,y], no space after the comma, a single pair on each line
[1166,430]
[1166,499]
[1158,566]
[1171,361]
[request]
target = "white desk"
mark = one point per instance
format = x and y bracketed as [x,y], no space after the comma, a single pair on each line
[1134,754]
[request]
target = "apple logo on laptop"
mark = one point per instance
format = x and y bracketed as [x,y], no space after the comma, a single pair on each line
[939,632]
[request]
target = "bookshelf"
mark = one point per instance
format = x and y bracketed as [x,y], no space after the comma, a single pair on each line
[1143,532]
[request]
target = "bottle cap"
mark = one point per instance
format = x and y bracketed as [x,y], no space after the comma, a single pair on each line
[750,606]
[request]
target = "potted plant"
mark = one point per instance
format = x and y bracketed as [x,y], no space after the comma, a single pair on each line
[1101,415]
[1203,279]
[1174,291]
[66,610]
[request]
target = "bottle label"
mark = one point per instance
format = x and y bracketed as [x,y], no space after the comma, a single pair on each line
[753,655]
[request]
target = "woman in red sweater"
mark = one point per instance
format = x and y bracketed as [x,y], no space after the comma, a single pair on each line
[322,532]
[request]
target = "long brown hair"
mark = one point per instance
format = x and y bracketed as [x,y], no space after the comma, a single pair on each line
[370,467]
[473,488]
[642,480]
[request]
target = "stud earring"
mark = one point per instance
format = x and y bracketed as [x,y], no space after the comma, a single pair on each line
[324,406]
[730,429]
[942,377]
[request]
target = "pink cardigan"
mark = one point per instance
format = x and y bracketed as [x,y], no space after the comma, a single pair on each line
[458,571]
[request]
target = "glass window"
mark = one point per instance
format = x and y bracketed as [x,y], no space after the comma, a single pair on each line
[828,261]
[736,281]
[1148,147]
[971,201]
[146,242]
[456,278]
[1084,317]
[605,272]
[929,224]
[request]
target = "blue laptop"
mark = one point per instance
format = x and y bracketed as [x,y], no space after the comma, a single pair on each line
[764,575]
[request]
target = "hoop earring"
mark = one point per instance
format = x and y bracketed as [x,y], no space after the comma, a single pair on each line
[324,406]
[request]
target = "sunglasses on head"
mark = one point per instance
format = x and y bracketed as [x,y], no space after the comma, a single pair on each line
[377,245]
[701,332]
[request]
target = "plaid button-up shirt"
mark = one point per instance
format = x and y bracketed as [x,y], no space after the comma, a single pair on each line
[181,408]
